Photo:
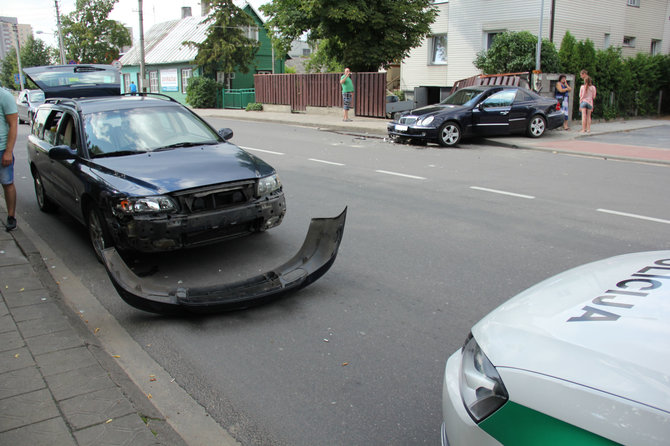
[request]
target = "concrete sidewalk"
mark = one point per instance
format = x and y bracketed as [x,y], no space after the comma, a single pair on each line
[559,141]
[58,387]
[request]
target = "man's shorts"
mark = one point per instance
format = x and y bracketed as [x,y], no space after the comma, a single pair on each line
[346,101]
[7,174]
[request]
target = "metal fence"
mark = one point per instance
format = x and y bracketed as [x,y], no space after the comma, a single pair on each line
[238,98]
[323,90]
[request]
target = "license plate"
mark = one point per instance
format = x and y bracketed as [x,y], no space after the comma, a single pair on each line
[401,128]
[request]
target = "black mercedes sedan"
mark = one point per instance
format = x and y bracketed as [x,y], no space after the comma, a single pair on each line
[480,111]
[141,171]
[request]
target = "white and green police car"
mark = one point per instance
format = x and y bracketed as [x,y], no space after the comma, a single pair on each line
[582,358]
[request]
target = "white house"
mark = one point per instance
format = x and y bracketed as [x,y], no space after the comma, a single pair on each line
[465,27]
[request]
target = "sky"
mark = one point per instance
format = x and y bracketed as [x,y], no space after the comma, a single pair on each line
[41,14]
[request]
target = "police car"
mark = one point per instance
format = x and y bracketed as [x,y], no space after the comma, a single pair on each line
[582,358]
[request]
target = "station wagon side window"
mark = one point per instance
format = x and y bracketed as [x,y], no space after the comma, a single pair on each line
[38,123]
[51,125]
[67,132]
[502,98]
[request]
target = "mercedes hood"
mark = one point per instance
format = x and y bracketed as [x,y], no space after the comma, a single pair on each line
[605,325]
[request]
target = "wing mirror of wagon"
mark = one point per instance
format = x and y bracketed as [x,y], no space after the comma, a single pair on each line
[62,153]
[226,134]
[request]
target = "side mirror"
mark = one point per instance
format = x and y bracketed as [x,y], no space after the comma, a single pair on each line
[226,134]
[62,153]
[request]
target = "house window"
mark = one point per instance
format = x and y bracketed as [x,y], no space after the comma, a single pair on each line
[629,41]
[153,81]
[186,74]
[226,79]
[250,32]
[439,51]
[607,43]
[635,3]
[491,37]
[655,47]
[126,83]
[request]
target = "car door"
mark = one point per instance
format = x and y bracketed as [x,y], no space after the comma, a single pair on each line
[22,105]
[521,112]
[65,173]
[492,115]
[40,141]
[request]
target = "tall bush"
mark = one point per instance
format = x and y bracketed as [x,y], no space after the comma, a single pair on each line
[202,92]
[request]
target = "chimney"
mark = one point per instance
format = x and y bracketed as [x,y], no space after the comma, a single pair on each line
[204,8]
[185,12]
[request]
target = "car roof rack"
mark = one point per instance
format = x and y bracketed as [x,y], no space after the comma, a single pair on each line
[65,101]
[145,94]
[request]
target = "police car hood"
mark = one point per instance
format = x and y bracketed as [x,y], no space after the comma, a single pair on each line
[605,325]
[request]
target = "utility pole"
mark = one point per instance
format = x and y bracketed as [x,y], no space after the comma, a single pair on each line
[142,67]
[538,50]
[61,47]
[18,54]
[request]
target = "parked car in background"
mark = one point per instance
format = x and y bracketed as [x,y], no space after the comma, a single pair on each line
[142,171]
[481,111]
[580,358]
[26,104]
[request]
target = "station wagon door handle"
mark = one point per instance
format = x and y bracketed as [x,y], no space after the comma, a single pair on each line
[504,112]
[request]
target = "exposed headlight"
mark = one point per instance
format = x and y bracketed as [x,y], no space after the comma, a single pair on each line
[426,121]
[145,205]
[267,185]
[482,389]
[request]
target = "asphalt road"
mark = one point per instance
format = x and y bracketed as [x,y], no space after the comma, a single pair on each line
[435,238]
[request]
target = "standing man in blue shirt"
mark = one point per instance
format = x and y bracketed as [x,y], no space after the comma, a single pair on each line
[347,92]
[133,87]
[9,124]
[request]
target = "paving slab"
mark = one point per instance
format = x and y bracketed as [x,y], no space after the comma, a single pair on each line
[10,254]
[23,298]
[97,407]
[15,360]
[10,340]
[7,323]
[55,341]
[19,278]
[124,431]
[78,382]
[27,408]
[64,360]
[51,323]
[42,311]
[53,432]
[20,381]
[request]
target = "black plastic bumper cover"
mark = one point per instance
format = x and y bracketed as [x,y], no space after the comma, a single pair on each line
[315,257]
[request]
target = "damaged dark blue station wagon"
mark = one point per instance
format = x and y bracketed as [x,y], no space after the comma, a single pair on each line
[142,171]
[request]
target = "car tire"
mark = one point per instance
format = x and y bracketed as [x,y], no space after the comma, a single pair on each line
[449,134]
[43,201]
[97,232]
[537,126]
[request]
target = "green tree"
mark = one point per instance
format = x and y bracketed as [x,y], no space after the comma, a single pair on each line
[34,53]
[363,35]
[90,36]
[202,92]
[227,48]
[513,52]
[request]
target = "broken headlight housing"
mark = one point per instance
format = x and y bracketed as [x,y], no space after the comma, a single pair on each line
[267,185]
[144,205]
[482,389]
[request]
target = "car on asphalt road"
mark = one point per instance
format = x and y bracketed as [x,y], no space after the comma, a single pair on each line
[142,171]
[481,111]
[26,104]
[580,358]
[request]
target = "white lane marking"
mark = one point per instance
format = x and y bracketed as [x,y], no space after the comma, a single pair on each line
[502,192]
[261,150]
[325,162]
[414,177]
[640,217]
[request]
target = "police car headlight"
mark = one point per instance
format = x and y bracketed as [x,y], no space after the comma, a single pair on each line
[482,389]
[428,120]
[267,185]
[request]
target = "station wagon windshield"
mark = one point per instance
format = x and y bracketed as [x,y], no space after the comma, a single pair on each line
[139,130]
[464,96]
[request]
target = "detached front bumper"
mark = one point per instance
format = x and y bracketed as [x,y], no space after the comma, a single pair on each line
[167,232]
[314,258]
[411,131]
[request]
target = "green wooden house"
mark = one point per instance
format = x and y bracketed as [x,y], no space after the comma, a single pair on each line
[169,64]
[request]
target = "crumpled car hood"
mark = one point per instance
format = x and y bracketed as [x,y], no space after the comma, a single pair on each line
[312,261]
[605,325]
[180,168]
[434,109]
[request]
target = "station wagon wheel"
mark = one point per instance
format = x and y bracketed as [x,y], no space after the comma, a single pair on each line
[537,126]
[449,134]
[97,232]
[43,201]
